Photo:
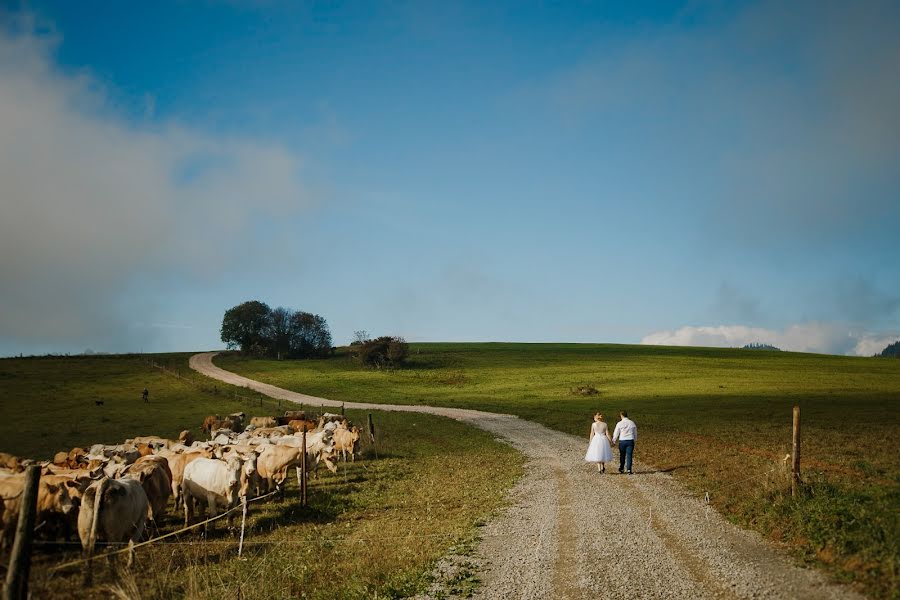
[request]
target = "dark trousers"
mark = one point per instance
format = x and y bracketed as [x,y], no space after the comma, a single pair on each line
[626,450]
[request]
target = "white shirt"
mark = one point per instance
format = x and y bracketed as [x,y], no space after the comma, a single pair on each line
[625,430]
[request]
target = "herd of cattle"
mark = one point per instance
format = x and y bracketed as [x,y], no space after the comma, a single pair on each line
[110,493]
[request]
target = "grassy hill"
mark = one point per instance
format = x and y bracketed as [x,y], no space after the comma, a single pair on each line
[405,508]
[719,419]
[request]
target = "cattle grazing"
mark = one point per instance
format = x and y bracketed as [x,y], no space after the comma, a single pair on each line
[112,510]
[214,482]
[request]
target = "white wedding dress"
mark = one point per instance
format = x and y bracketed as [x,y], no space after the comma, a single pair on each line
[599,450]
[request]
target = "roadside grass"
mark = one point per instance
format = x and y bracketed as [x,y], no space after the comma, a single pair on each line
[374,530]
[719,419]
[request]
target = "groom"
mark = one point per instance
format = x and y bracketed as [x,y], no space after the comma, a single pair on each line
[626,434]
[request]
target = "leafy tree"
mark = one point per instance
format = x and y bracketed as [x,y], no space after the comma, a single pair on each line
[310,336]
[280,334]
[248,326]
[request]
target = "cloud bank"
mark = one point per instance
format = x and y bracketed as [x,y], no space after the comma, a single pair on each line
[98,209]
[821,338]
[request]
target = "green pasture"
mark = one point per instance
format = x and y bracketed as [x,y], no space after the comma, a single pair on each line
[371,531]
[719,419]
[49,404]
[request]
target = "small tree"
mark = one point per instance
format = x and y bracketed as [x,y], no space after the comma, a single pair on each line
[247,326]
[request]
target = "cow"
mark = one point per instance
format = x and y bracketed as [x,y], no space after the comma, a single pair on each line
[237,420]
[319,447]
[216,482]
[273,464]
[53,502]
[270,432]
[263,422]
[209,423]
[156,478]
[177,463]
[186,437]
[346,441]
[302,424]
[112,510]
[13,463]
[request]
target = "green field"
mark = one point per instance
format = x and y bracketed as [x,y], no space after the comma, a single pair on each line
[718,419]
[372,531]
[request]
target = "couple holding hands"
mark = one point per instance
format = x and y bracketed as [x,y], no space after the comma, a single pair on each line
[600,448]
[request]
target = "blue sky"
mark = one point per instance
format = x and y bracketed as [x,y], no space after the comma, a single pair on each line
[683,173]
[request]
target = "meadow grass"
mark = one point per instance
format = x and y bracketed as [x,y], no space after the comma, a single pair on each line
[373,530]
[719,419]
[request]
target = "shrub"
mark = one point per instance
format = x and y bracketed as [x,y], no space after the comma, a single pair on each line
[384,351]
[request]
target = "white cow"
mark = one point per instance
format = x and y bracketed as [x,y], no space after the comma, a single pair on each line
[112,510]
[319,447]
[217,482]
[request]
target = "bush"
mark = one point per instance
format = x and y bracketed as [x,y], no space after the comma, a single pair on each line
[385,351]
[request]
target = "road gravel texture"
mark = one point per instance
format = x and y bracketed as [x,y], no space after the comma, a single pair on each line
[570,532]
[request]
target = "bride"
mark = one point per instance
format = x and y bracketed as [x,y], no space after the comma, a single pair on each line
[599,450]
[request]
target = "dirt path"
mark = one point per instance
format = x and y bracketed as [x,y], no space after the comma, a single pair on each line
[573,533]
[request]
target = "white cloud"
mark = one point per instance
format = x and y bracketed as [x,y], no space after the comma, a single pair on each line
[823,338]
[869,345]
[95,207]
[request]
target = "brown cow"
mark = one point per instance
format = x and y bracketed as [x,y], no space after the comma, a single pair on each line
[210,423]
[156,478]
[186,437]
[8,461]
[53,502]
[299,425]
[263,422]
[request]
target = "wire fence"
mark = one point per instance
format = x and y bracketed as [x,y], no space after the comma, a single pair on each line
[130,546]
[257,400]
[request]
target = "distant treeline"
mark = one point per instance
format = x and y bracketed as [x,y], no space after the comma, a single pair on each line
[892,350]
[755,346]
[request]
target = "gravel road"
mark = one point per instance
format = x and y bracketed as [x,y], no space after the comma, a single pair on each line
[571,532]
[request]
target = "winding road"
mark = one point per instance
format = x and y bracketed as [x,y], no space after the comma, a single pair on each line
[573,533]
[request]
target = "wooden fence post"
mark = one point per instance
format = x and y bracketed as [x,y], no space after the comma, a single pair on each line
[20,559]
[795,457]
[303,472]
[372,435]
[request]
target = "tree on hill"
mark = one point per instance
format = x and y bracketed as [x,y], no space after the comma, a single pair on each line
[260,331]
[892,350]
[248,326]
[310,336]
